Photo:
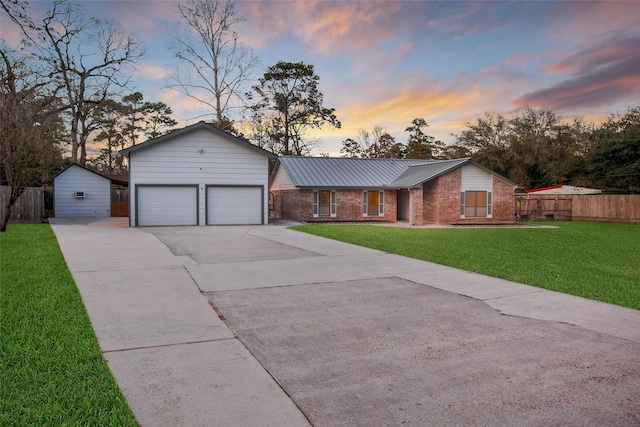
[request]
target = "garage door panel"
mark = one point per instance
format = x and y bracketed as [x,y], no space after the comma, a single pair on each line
[167,205]
[234,205]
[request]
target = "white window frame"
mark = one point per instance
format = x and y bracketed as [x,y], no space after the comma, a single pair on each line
[463,195]
[365,202]
[316,206]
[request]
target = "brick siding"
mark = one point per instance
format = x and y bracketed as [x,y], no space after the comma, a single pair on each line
[503,201]
[438,201]
[297,205]
[442,198]
[442,201]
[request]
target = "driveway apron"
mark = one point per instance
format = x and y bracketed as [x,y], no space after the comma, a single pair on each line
[269,326]
[176,362]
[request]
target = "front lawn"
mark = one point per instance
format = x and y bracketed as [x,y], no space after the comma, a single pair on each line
[594,260]
[53,372]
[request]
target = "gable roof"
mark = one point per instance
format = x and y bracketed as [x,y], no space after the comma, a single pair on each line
[198,126]
[329,172]
[414,176]
[81,167]
[333,172]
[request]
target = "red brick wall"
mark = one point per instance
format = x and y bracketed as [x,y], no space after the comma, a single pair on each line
[348,206]
[442,201]
[437,202]
[297,205]
[503,201]
[442,198]
[417,205]
[390,205]
[294,204]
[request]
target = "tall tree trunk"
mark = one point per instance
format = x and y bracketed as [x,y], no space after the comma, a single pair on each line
[286,135]
[5,220]
[13,197]
[83,154]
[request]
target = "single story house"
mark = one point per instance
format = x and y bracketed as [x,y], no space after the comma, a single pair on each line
[81,192]
[321,189]
[198,175]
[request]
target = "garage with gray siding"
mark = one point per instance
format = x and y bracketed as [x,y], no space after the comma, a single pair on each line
[80,192]
[198,175]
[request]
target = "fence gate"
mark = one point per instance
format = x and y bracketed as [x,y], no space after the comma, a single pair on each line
[119,202]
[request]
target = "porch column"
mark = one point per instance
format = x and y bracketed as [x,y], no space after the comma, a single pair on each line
[411,209]
[416,206]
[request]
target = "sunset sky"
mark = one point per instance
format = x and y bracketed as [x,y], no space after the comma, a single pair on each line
[388,62]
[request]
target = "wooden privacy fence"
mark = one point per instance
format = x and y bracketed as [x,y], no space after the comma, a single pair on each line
[120,202]
[33,205]
[606,207]
[579,207]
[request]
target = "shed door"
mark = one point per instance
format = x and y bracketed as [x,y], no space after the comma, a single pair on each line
[167,205]
[234,205]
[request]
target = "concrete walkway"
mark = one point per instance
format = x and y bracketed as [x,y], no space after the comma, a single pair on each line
[279,347]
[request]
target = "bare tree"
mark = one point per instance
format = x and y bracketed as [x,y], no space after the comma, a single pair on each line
[216,66]
[30,129]
[87,60]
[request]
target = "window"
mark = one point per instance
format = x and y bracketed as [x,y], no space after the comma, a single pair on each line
[475,204]
[324,203]
[373,203]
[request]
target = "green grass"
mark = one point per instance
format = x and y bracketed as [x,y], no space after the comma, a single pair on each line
[594,260]
[53,372]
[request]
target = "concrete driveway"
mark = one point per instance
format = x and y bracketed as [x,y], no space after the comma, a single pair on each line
[268,326]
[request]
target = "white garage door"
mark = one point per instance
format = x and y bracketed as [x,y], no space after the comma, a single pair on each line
[167,205]
[234,205]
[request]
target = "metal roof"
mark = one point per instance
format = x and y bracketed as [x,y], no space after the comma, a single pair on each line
[415,175]
[329,172]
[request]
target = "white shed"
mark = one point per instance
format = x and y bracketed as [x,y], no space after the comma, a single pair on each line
[80,192]
[198,175]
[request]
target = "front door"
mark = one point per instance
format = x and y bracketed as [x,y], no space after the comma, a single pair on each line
[403,204]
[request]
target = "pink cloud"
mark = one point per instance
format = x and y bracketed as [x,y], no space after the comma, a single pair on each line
[150,71]
[604,74]
[138,16]
[604,53]
[576,20]
[322,26]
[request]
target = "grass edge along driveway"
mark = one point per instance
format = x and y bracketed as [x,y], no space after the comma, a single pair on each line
[53,372]
[595,260]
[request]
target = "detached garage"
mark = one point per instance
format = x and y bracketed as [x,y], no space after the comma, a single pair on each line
[80,192]
[198,175]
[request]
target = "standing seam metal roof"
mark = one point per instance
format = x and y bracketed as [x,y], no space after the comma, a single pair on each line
[331,172]
[416,175]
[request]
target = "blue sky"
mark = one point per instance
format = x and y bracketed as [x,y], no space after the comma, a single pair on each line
[388,62]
